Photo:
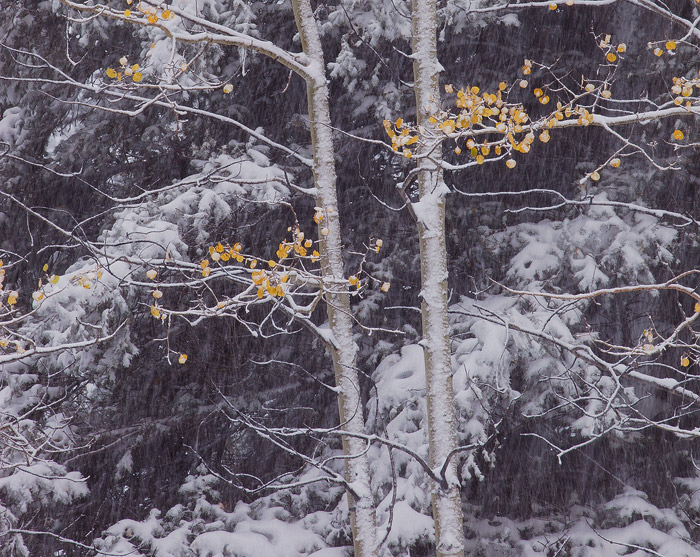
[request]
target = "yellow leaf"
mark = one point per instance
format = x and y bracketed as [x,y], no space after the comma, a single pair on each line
[151,274]
[54,279]
[510,163]
[353,280]
[399,122]
[111,73]
[611,57]
[622,47]
[182,359]
[127,13]
[315,256]
[697,307]
[219,248]
[157,294]
[228,88]
[204,263]
[538,92]
[615,162]
[272,264]
[685,361]
[167,14]
[678,135]
[45,267]
[155,312]
[670,45]
[385,287]
[138,76]
[552,7]
[206,272]
[595,176]
[261,292]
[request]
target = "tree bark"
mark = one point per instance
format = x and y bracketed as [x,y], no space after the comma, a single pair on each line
[343,347]
[430,214]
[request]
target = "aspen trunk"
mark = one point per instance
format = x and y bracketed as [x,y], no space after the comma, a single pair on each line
[343,346]
[430,212]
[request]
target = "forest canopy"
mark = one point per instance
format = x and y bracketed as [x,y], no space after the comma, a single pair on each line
[358,278]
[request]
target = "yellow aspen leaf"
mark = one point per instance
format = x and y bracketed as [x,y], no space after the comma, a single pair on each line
[448,126]
[123,60]
[648,348]
[4,342]
[261,292]
[272,263]
[670,45]
[523,83]
[399,122]
[152,274]
[12,297]
[502,86]
[385,287]
[595,176]
[204,263]
[182,358]
[45,267]
[615,162]
[606,94]
[155,312]
[678,135]
[498,149]
[544,99]
[590,87]
[697,307]
[480,159]
[157,294]
[538,92]
[685,361]
[216,256]
[228,88]
[510,163]
[449,88]
[138,76]
[284,277]
[253,264]
[622,47]
[54,279]
[111,73]
[38,296]
[325,231]
[315,256]
[457,150]
[206,272]
[167,14]
[432,120]
[225,257]
[135,68]
[353,280]
[658,51]
[611,57]
[552,7]
[279,291]
[152,19]
[219,248]
[407,153]
[544,136]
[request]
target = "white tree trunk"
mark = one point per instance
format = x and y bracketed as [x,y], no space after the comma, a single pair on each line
[343,346]
[430,212]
